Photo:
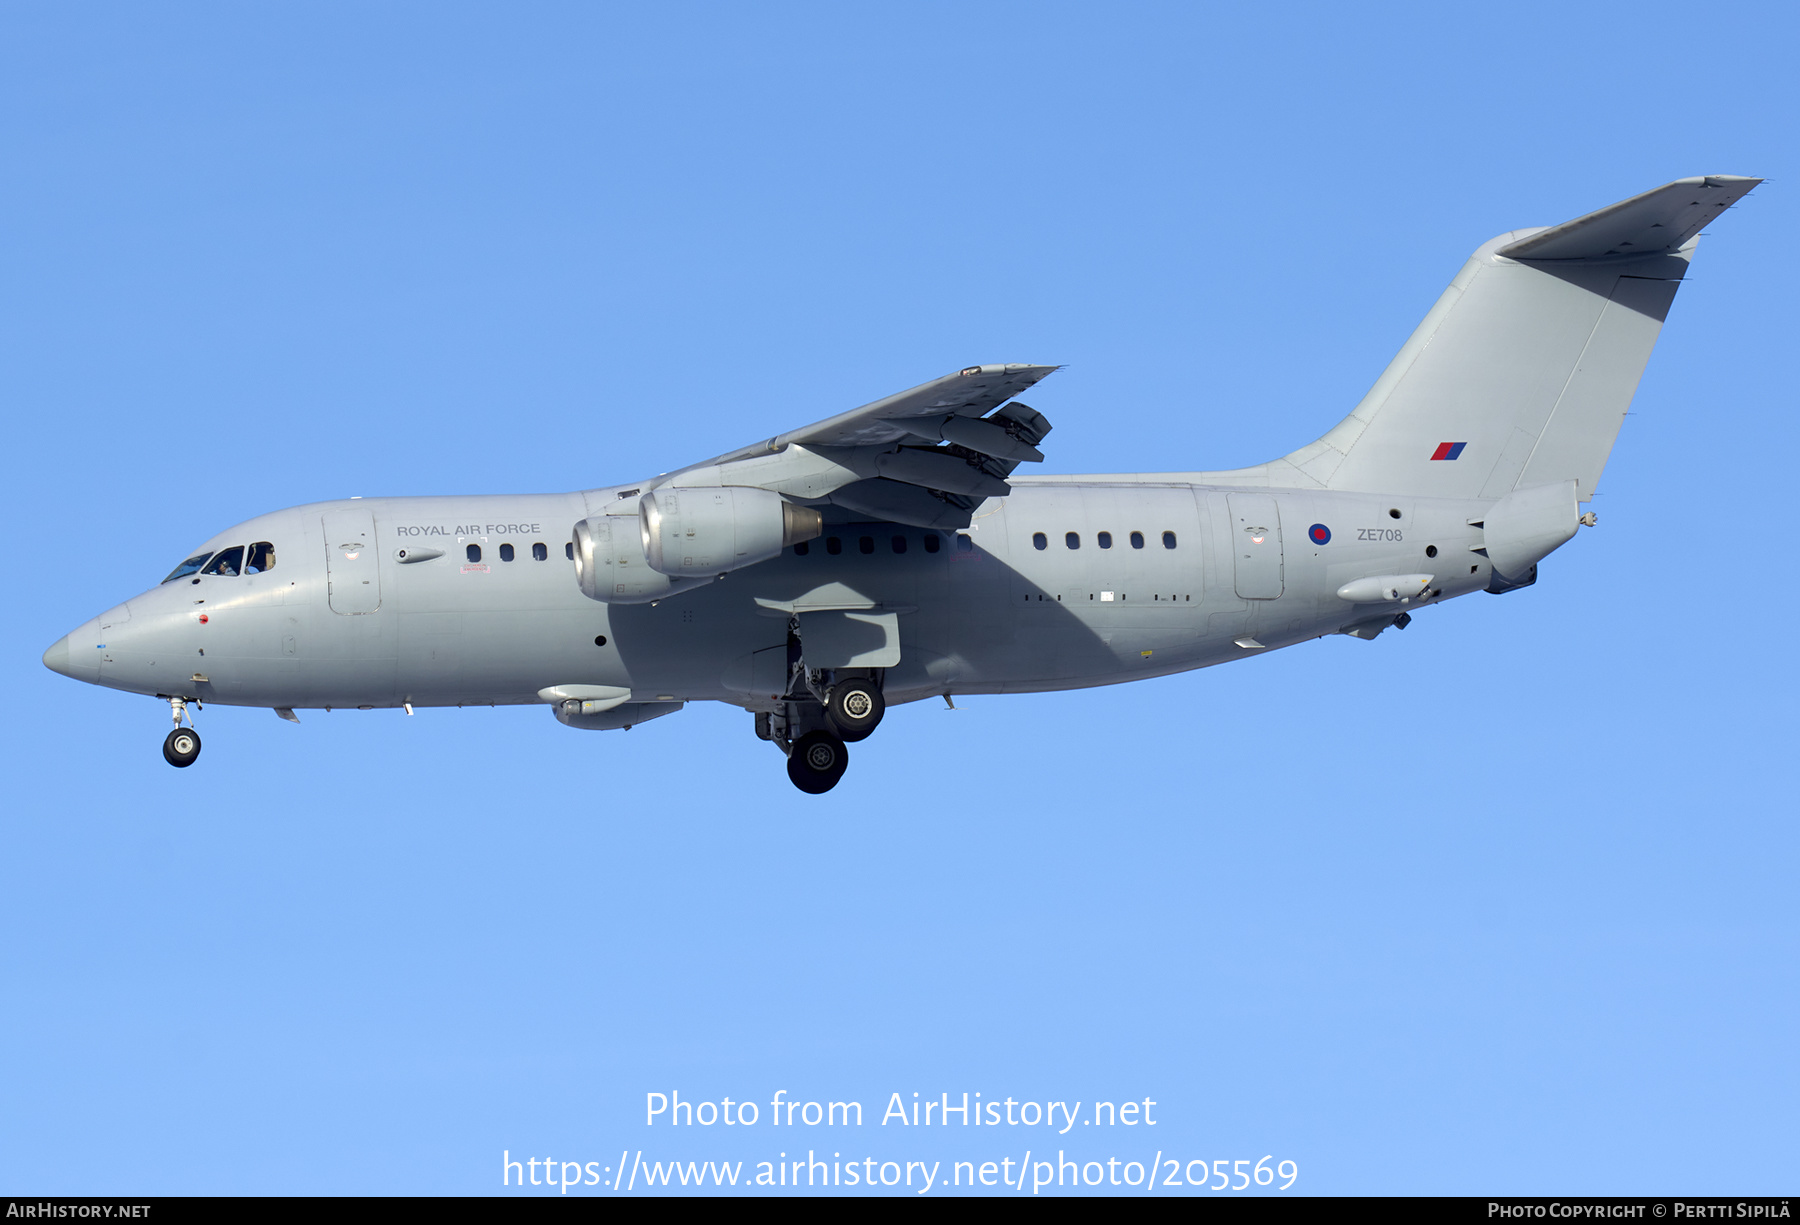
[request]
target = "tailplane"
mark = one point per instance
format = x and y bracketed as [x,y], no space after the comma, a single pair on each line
[1521,374]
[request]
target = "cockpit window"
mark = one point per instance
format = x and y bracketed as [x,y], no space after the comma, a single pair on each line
[261,559]
[187,567]
[227,564]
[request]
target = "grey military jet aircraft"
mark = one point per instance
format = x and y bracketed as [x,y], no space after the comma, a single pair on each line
[893,553]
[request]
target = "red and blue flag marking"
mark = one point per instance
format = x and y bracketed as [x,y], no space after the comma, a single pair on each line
[1448,450]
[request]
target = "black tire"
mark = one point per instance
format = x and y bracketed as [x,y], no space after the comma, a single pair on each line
[855,708]
[181,747]
[817,762]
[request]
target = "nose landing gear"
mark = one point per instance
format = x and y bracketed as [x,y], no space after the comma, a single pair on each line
[181,746]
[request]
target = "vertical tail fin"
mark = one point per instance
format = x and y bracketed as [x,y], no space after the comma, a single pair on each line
[1521,374]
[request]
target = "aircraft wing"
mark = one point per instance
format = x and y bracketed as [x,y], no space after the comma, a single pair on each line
[926,456]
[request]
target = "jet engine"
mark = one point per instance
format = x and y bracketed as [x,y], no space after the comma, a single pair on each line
[682,538]
[610,566]
[706,531]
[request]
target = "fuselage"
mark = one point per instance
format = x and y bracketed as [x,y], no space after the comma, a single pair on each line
[1069,582]
[780,577]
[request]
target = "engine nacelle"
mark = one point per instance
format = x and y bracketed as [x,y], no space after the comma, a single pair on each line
[610,565]
[706,531]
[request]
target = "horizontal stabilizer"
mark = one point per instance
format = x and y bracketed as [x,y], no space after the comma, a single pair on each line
[1659,220]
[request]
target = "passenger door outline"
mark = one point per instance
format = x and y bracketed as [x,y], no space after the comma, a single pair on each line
[352,569]
[1256,546]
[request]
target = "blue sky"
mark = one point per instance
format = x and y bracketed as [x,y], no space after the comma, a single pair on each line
[1502,904]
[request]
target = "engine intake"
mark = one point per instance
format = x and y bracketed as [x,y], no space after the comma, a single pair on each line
[707,531]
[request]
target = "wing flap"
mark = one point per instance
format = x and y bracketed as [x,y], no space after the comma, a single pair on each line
[924,457]
[973,391]
[893,502]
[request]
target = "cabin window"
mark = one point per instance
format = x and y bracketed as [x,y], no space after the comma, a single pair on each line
[569,550]
[506,552]
[1072,539]
[1104,540]
[1137,540]
[833,545]
[190,566]
[1168,540]
[230,562]
[473,552]
[865,544]
[899,544]
[1039,541]
[802,549]
[932,544]
[261,559]
[964,544]
[540,551]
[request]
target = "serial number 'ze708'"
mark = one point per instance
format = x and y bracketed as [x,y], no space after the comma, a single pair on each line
[1379,533]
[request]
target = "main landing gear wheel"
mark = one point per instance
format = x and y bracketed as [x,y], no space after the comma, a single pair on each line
[181,747]
[817,762]
[855,708]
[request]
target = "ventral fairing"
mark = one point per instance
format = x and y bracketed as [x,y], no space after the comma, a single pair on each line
[904,550]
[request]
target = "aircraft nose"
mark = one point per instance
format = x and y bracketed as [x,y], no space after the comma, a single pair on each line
[75,656]
[57,657]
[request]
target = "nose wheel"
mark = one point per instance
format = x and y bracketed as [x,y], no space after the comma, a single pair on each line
[181,747]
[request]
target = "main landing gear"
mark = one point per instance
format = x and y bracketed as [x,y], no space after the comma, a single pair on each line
[182,746]
[855,707]
[816,722]
[816,762]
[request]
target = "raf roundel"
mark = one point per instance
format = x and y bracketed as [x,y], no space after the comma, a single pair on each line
[1320,533]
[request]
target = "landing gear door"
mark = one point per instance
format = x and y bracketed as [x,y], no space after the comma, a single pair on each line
[1256,545]
[352,573]
[850,638]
